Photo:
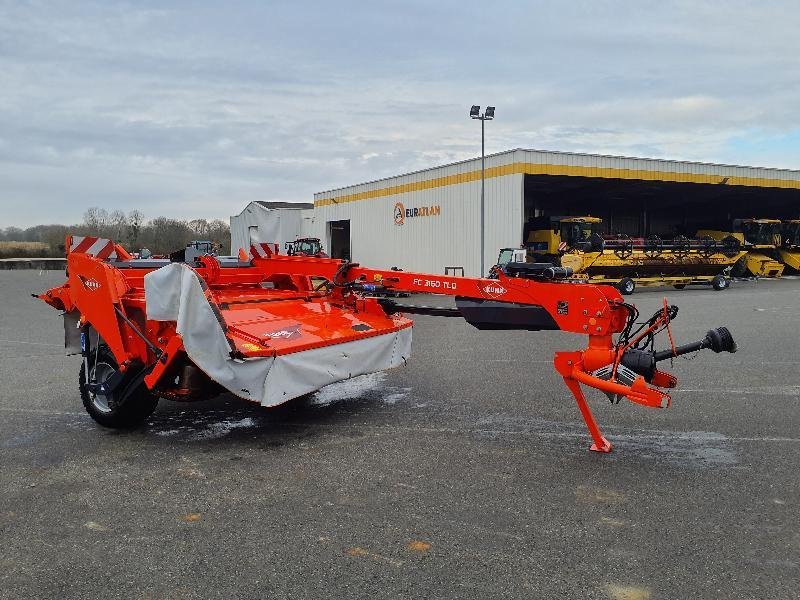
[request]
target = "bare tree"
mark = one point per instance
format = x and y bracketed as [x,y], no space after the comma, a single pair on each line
[200,227]
[220,232]
[161,235]
[135,223]
[13,234]
[54,236]
[118,222]
[95,219]
[168,235]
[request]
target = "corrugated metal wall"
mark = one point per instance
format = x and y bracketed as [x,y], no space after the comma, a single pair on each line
[274,226]
[453,238]
[430,243]
[240,224]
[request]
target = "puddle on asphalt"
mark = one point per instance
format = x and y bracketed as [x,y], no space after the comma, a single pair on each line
[695,448]
[371,385]
[231,416]
[205,424]
[211,429]
[22,440]
[702,449]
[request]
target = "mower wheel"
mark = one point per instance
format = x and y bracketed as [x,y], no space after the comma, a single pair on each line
[105,408]
[627,286]
[720,282]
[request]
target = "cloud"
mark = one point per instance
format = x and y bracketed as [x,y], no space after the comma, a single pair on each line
[200,108]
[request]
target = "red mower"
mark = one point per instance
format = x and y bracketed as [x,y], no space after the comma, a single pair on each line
[269,327]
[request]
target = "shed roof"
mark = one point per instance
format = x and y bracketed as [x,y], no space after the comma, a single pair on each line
[575,164]
[296,205]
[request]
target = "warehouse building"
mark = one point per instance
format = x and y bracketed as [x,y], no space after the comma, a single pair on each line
[430,220]
[272,222]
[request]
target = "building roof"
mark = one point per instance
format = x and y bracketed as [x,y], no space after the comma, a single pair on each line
[547,162]
[274,205]
[265,205]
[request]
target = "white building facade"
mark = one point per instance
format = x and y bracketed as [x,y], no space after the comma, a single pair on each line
[271,222]
[429,220]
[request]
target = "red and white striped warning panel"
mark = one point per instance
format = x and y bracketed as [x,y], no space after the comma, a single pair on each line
[263,250]
[99,247]
[562,246]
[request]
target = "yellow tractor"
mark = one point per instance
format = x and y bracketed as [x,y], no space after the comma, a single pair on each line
[789,252]
[576,243]
[761,238]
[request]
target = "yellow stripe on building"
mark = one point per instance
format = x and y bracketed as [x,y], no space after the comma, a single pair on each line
[569,170]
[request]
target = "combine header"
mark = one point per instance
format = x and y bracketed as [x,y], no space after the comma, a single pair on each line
[269,327]
[626,262]
[761,238]
[789,252]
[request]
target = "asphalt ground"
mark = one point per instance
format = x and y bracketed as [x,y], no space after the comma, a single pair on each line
[465,474]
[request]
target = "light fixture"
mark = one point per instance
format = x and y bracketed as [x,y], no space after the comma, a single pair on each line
[488,115]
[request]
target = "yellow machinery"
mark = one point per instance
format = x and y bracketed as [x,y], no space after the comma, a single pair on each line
[789,252]
[761,238]
[552,236]
[575,242]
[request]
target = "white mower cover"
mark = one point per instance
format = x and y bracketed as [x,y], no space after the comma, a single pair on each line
[174,293]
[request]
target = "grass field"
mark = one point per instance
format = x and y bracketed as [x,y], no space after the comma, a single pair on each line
[24,250]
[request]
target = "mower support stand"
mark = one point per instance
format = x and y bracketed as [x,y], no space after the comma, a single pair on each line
[601,444]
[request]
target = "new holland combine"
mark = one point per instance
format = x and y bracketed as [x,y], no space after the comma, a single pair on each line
[269,327]
[789,252]
[576,243]
[761,238]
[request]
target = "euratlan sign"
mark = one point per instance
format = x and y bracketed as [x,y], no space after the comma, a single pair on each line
[401,213]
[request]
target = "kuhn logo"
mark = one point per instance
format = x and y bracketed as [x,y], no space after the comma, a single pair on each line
[495,290]
[288,333]
[90,284]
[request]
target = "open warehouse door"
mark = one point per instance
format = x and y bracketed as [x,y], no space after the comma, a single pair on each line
[339,239]
[641,208]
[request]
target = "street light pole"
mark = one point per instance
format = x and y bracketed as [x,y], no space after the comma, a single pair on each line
[488,115]
[483,193]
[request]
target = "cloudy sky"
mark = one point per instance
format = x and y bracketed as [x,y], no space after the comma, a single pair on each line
[192,109]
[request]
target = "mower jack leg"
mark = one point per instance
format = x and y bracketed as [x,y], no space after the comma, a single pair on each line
[601,444]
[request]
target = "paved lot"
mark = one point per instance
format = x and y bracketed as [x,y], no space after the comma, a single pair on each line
[465,474]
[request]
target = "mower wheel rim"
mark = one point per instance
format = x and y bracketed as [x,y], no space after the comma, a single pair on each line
[102,372]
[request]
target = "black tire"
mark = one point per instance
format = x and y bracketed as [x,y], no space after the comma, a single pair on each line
[720,282]
[104,409]
[679,286]
[627,286]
